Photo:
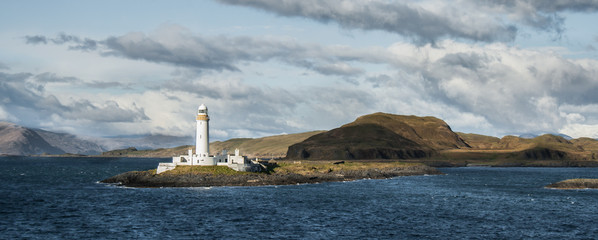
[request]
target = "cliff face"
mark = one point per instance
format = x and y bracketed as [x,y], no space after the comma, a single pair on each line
[380,136]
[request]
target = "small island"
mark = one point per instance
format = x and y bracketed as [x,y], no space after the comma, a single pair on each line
[275,173]
[577,183]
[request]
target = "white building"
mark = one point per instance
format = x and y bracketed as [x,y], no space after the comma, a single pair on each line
[202,151]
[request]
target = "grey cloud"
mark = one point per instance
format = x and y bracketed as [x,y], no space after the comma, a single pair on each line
[395,17]
[109,111]
[379,80]
[105,85]
[23,96]
[338,69]
[411,20]
[234,91]
[85,45]
[200,54]
[470,61]
[53,78]
[564,5]
[37,39]
[75,42]
[14,77]
[239,106]
[4,66]
[180,48]
[511,88]
[540,14]
[64,38]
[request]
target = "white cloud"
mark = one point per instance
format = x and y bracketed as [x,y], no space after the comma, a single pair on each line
[162,77]
[5,116]
[580,130]
[512,88]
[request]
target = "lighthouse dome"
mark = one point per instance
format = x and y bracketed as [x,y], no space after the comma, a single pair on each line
[202,109]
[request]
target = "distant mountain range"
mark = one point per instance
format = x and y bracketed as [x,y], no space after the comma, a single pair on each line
[19,140]
[532,135]
[143,141]
[373,136]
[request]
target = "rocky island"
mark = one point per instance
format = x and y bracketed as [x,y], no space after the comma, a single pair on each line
[577,183]
[276,173]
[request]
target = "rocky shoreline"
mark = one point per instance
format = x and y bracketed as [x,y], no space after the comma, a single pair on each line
[149,179]
[578,183]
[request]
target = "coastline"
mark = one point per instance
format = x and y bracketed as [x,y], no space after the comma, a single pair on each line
[576,183]
[288,174]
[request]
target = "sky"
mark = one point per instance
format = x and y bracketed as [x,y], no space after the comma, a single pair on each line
[126,68]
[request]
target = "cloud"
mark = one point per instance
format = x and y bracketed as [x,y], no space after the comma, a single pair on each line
[75,42]
[25,98]
[539,14]
[242,106]
[432,20]
[53,78]
[580,130]
[509,87]
[176,46]
[172,44]
[553,6]
[5,116]
[105,85]
[495,88]
[37,39]
[407,19]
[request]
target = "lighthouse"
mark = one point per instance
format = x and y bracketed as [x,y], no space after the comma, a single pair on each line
[202,151]
[202,137]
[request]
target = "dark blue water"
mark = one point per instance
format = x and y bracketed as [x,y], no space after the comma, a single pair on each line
[58,198]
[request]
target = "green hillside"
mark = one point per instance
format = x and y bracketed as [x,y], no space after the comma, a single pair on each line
[266,147]
[545,150]
[429,131]
[380,135]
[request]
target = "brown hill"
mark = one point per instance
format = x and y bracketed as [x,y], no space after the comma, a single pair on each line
[266,147]
[545,147]
[429,131]
[380,135]
[363,141]
[589,144]
[482,142]
[17,140]
[477,141]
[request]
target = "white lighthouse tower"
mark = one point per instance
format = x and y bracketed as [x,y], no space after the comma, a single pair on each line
[202,137]
[202,151]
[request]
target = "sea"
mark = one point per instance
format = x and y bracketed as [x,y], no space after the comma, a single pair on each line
[61,198]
